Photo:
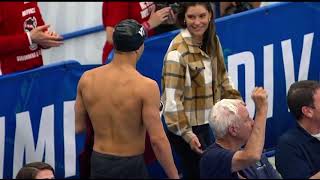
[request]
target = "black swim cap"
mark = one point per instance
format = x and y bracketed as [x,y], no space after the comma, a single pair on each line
[128,35]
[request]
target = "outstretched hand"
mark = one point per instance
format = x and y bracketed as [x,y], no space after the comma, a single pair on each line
[45,38]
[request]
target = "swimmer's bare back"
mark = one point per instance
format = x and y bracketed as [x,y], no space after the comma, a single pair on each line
[113,96]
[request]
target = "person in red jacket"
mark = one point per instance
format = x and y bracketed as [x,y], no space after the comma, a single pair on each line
[22,35]
[143,12]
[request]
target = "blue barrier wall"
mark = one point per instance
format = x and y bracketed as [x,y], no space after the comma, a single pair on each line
[37,118]
[262,47]
[283,40]
[272,46]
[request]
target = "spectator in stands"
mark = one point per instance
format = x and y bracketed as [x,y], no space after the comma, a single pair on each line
[22,35]
[36,170]
[122,105]
[298,150]
[228,8]
[143,12]
[233,128]
[194,77]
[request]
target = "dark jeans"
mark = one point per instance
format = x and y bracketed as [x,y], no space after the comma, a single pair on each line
[190,159]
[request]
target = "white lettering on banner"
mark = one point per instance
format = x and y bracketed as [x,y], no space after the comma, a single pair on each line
[305,56]
[69,139]
[304,63]
[247,59]
[24,140]
[2,144]
[26,148]
[268,76]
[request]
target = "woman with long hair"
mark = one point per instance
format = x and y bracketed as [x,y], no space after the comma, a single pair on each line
[194,78]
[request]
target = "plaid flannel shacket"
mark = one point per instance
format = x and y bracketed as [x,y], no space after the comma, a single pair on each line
[189,77]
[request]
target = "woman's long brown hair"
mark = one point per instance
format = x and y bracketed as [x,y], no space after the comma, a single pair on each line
[209,41]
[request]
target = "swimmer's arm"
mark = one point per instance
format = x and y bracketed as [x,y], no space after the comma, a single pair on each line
[81,114]
[153,124]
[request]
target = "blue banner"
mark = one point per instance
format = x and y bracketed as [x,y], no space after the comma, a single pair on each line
[37,119]
[271,46]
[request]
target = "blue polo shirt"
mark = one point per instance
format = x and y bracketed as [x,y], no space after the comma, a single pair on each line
[297,154]
[216,163]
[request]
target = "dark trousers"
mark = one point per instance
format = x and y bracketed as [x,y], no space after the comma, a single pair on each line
[189,158]
[116,167]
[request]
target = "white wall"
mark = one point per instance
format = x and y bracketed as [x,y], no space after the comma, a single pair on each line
[66,17]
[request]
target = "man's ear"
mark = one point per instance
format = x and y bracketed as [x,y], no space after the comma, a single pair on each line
[307,111]
[233,130]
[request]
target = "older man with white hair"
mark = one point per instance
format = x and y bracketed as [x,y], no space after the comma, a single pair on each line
[233,128]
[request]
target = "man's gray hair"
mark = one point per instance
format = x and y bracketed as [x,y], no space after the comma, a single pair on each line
[224,113]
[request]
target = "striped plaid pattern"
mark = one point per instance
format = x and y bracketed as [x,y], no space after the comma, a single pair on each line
[189,77]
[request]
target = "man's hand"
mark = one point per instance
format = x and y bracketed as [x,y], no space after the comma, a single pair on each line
[41,36]
[195,145]
[260,98]
[157,17]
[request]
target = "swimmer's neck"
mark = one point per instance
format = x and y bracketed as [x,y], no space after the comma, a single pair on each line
[125,59]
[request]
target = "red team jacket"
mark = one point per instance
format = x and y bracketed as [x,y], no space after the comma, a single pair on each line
[114,12]
[16,53]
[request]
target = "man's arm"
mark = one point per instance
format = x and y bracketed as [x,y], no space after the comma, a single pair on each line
[81,114]
[12,43]
[39,35]
[152,122]
[8,43]
[254,147]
